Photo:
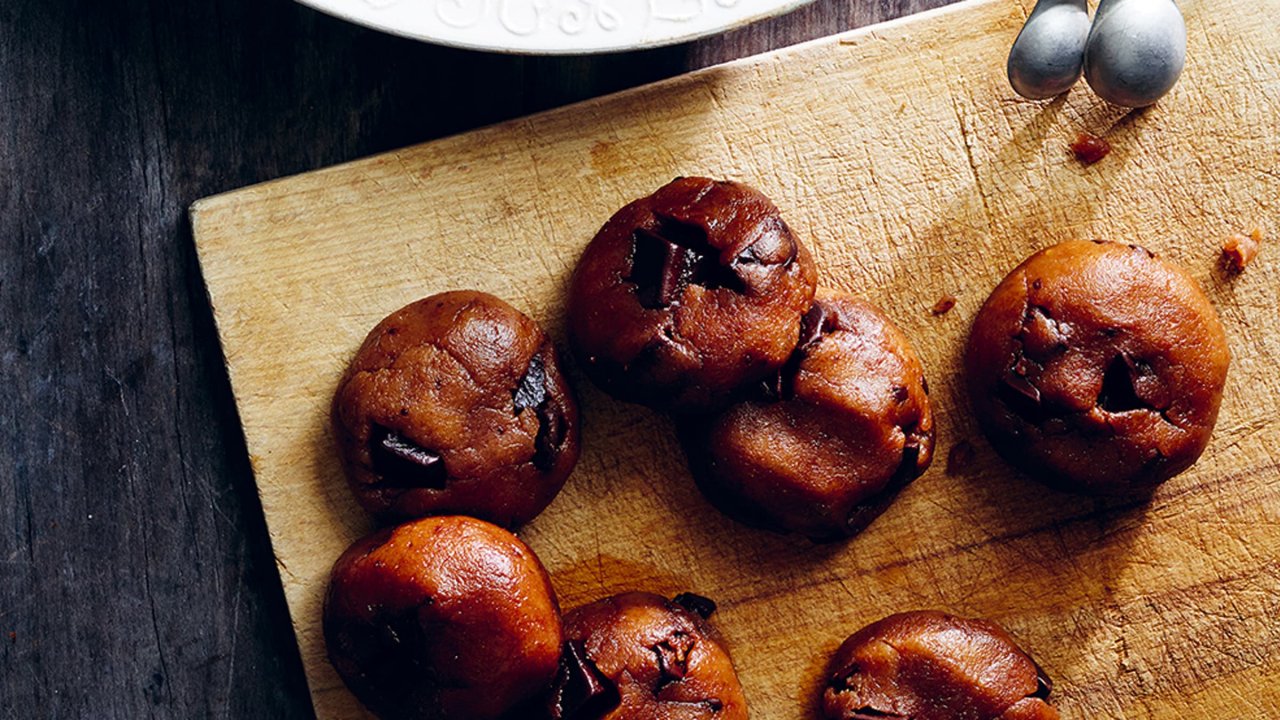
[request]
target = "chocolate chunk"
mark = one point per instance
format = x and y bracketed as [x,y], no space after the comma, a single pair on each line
[659,269]
[1022,397]
[1118,394]
[552,430]
[814,324]
[532,389]
[673,657]
[402,463]
[769,247]
[1044,685]
[908,469]
[552,426]
[870,713]
[697,604]
[670,258]
[580,691]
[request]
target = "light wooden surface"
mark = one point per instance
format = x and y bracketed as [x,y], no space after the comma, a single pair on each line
[901,156]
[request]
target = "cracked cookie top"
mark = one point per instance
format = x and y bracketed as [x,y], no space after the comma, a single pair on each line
[828,441]
[1097,367]
[456,404]
[688,294]
[639,656]
[927,665]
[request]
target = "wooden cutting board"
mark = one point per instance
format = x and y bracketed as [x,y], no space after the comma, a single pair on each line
[902,157]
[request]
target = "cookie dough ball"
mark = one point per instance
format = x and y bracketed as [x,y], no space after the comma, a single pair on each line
[689,294]
[1098,368]
[456,404]
[444,618]
[639,656]
[930,666]
[831,439]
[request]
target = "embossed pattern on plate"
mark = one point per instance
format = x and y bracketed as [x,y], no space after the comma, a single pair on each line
[553,26]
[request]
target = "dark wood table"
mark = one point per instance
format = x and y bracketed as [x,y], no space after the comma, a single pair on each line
[136,577]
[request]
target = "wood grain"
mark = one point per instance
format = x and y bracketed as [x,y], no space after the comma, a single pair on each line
[136,574]
[903,158]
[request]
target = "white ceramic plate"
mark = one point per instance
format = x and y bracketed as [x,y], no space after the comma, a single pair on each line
[553,26]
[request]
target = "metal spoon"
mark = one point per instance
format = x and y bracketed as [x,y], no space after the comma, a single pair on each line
[1047,57]
[1135,51]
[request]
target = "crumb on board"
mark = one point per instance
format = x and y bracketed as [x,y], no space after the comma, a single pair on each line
[944,305]
[1089,148]
[1240,250]
[960,458]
